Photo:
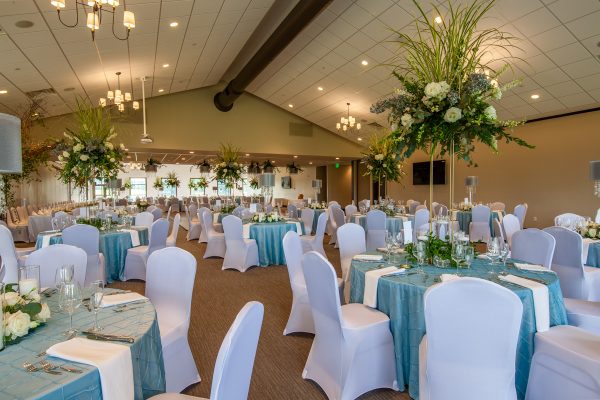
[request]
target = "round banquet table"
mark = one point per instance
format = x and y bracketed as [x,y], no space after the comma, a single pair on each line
[393,224]
[318,212]
[113,245]
[464,219]
[269,239]
[591,252]
[146,355]
[400,297]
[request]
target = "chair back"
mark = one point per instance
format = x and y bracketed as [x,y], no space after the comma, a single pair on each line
[158,235]
[473,324]
[597,220]
[8,256]
[421,223]
[170,275]
[497,206]
[151,208]
[86,237]
[157,214]
[569,220]
[292,211]
[51,258]
[321,225]
[412,206]
[175,228]
[533,246]
[292,249]
[233,368]
[207,222]
[234,232]
[169,213]
[60,214]
[511,225]
[567,262]
[338,216]
[520,211]
[421,207]
[376,220]
[480,213]
[350,209]
[144,219]
[351,240]
[307,217]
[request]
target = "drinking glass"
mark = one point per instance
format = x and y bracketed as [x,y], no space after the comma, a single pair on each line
[493,249]
[64,274]
[504,251]
[458,254]
[469,256]
[400,239]
[389,243]
[29,279]
[420,252]
[70,299]
[96,295]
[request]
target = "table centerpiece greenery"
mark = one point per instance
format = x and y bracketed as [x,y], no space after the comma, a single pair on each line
[267,217]
[434,247]
[22,313]
[591,230]
[142,205]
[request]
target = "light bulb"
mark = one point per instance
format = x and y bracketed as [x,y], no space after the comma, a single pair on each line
[121,107]
[358,126]
[136,105]
[102,102]
[338,126]
[345,128]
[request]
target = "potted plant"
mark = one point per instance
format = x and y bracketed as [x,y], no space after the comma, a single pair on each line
[254,168]
[269,167]
[293,168]
[152,165]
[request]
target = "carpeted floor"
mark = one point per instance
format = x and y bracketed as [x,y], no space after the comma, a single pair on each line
[219,295]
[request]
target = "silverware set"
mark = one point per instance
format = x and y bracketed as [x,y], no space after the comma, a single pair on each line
[49,368]
[109,338]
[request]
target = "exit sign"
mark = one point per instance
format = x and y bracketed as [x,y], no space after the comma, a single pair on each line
[337,164]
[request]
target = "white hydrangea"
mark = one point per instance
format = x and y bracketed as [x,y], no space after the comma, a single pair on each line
[490,112]
[453,114]
[438,90]
[84,157]
[406,120]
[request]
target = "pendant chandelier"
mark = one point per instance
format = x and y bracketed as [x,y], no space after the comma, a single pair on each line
[348,123]
[118,98]
[94,10]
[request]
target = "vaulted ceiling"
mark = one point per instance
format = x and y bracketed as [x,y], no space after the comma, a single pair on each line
[560,52]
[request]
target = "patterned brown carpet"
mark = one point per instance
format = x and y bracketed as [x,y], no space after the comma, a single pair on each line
[219,295]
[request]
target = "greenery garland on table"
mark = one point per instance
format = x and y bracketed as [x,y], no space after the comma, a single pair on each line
[158,184]
[88,153]
[22,313]
[434,247]
[227,208]
[228,169]
[381,160]
[96,222]
[172,180]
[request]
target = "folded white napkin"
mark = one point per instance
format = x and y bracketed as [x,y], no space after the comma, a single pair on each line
[371,281]
[135,236]
[112,360]
[216,218]
[121,298]
[368,257]
[482,256]
[586,248]
[532,267]
[46,239]
[448,277]
[246,230]
[541,301]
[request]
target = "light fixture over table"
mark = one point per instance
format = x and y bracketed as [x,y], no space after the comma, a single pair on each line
[94,10]
[348,123]
[118,98]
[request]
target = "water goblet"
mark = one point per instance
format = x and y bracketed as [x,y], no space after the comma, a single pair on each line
[96,295]
[389,243]
[493,249]
[504,252]
[70,299]
[458,254]
[420,252]
[469,256]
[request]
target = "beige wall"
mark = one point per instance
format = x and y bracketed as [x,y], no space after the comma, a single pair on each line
[552,178]
[339,184]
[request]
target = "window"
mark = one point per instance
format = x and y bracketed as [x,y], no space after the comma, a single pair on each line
[169,191]
[196,192]
[100,186]
[138,188]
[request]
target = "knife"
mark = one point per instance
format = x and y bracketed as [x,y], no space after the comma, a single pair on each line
[109,338]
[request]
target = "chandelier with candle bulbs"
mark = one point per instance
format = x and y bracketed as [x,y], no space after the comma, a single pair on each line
[348,123]
[94,10]
[118,98]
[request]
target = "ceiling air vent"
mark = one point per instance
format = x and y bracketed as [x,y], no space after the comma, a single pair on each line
[42,92]
[375,125]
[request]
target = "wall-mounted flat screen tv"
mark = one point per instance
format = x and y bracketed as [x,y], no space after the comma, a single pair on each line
[421,173]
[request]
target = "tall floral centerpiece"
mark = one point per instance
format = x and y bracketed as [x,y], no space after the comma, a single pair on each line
[172,180]
[228,169]
[449,74]
[158,185]
[88,153]
[381,161]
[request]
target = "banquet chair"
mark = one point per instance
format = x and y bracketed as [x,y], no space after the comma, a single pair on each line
[300,319]
[307,216]
[292,211]
[533,246]
[498,232]
[144,219]
[497,206]
[233,368]
[442,210]
[170,286]
[169,213]
[351,242]
[240,253]
[9,256]
[520,212]
[421,223]
[470,348]
[330,222]
[137,257]
[339,219]
[569,220]
[583,314]
[202,237]
[577,281]
[353,349]
[151,208]
[157,214]
[87,238]
[510,225]
[51,258]
[22,212]
[315,243]
[238,211]
[565,365]
[215,241]
[421,207]
[350,210]
[194,225]
[412,206]
[37,224]
[479,228]
[172,238]
[376,229]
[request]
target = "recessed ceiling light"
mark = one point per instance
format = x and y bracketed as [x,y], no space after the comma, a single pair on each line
[247,154]
[3,91]
[273,161]
[182,159]
[161,90]
[320,88]
[337,158]
[364,62]
[360,139]
[535,96]
[295,156]
[176,163]
[438,20]
[191,152]
[174,24]
[290,105]
[310,162]
[165,65]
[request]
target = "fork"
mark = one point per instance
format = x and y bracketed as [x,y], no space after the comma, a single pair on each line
[30,367]
[120,310]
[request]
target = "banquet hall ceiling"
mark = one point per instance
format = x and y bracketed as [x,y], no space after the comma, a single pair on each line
[560,51]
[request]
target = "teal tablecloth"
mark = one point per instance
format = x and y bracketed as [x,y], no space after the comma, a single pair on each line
[464,219]
[146,355]
[401,299]
[318,212]
[113,245]
[593,257]
[269,239]
[393,224]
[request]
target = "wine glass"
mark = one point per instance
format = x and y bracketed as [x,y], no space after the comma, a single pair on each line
[458,254]
[493,249]
[389,243]
[400,239]
[96,295]
[64,274]
[420,252]
[504,252]
[70,299]
[469,256]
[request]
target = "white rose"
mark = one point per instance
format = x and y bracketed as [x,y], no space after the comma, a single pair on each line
[77,147]
[84,157]
[497,93]
[490,112]
[444,89]
[592,232]
[33,324]
[406,120]
[34,296]
[11,298]
[109,145]
[379,157]
[453,114]
[66,154]
[18,324]
[433,89]
[45,314]
[112,159]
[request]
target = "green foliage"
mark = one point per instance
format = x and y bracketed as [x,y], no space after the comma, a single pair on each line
[96,222]
[158,185]
[434,246]
[381,160]
[228,169]
[293,168]
[254,183]
[172,180]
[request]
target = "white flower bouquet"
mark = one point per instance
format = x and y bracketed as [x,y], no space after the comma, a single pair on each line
[267,217]
[591,230]
[22,313]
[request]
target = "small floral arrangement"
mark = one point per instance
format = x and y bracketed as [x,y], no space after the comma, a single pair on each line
[22,313]
[254,168]
[293,168]
[591,230]
[254,183]
[269,167]
[192,185]
[172,180]
[228,169]
[434,247]
[152,165]
[317,206]
[266,217]
[381,161]
[158,185]
[202,183]
[204,167]
[127,184]
[465,206]
[142,205]
[227,208]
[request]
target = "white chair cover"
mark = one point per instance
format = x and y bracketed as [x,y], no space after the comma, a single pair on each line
[215,241]
[87,238]
[533,246]
[510,225]
[520,212]
[172,239]
[203,238]
[350,210]
[37,224]
[339,219]
[194,225]
[292,211]
[351,242]
[135,261]
[144,219]
[470,348]
[151,208]
[315,243]
[157,213]
[170,286]
[497,206]
[376,229]
[569,220]
[597,220]
[307,216]
[353,351]
[421,223]
[412,206]
[50,258]
[8,256]
[240,253]
[479,228]
[584,314]
[169,213]
[300,319]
